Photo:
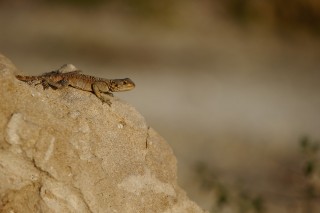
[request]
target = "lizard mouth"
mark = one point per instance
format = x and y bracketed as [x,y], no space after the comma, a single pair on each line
[127,88]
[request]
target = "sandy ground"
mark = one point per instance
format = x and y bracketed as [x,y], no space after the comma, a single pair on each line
[238,100]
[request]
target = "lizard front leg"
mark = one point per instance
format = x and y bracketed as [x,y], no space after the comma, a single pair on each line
[97,88]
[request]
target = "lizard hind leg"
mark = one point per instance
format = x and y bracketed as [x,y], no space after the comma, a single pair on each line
[44,84]
[59,84]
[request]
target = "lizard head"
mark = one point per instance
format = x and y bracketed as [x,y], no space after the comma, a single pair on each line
[119,85]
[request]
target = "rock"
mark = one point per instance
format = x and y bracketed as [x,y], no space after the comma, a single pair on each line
[65,151]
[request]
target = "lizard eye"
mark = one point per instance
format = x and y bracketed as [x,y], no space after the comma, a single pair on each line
[125,82]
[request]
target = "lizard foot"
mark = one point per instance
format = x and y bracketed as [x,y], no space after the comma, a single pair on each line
[106,100]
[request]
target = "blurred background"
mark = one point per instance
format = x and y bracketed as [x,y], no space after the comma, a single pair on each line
[233,86]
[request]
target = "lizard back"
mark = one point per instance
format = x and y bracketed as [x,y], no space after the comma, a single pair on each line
[81,81]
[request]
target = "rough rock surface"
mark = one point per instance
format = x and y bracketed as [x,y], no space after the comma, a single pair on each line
[65,151]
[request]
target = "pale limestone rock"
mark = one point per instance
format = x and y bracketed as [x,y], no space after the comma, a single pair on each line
[65,151]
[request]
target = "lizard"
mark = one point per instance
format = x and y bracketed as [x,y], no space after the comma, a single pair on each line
[69,75]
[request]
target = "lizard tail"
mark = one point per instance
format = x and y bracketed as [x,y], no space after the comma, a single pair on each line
[27,78]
